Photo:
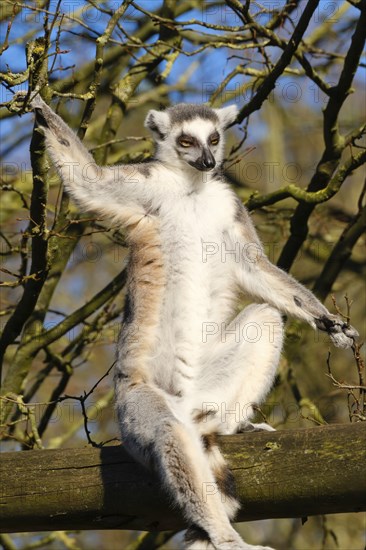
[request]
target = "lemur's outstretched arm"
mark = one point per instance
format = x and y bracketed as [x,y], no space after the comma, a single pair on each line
[117,191]
[266,282]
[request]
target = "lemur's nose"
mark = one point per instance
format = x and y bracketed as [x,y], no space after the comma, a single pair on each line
[208,160]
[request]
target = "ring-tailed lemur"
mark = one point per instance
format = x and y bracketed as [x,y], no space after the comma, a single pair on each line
[192,247]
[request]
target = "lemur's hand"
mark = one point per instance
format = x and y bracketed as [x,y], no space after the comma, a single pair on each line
[16,105]
[36,101]
[341,333]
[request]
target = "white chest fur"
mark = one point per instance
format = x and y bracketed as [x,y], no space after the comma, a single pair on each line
[199,287]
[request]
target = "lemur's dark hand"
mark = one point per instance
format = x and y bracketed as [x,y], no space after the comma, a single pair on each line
[36,101]
[16,105]
[20,105]
[341,334]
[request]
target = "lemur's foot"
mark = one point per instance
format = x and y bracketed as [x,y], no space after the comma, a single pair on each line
[200,545]
[255,427]
[230,545]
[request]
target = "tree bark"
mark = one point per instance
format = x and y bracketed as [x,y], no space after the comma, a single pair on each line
[279,474]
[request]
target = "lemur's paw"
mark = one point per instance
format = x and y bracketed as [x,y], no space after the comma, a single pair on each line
[236,543]
[17,103]
[199,545]
[231,545]
[20,95]
[230,541]
[340,340]
[341,334]
[263,427]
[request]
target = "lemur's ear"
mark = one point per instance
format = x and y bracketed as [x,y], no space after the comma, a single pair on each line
[158,123]
[227,115]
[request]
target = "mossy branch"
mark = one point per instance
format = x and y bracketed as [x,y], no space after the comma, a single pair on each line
[303,196]
[278,474]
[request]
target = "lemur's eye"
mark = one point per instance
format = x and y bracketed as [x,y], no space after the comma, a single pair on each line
[185,142]
[214,140]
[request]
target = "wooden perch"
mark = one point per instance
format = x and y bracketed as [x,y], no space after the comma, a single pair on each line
[279,474]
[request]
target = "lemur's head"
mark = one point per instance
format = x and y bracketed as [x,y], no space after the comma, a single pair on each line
[190,133]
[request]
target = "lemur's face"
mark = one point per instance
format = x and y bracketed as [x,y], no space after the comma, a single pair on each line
[197,142]
[192,134]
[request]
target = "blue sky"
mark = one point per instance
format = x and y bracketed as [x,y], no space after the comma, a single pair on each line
[212,64]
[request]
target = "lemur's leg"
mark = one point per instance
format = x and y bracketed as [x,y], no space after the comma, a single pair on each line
[239,369]
[156,435]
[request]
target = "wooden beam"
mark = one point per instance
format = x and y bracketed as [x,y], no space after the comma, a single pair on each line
[279,474]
